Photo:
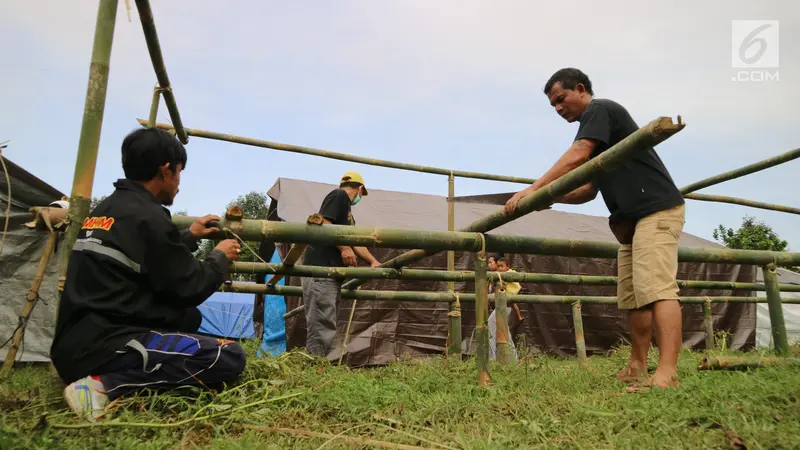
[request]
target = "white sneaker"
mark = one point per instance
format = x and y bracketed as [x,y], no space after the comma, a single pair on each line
[87,397]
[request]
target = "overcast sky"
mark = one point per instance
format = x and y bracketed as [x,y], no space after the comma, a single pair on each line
[453,84]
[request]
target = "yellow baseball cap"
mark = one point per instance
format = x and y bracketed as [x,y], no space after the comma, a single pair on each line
[353,177]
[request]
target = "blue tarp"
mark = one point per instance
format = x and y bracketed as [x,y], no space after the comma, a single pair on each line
[274,342]
[227,314]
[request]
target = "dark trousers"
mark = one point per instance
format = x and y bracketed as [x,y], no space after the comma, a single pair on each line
[168,360]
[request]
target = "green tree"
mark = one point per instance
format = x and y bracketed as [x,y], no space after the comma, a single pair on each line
[752,235]
[255,205]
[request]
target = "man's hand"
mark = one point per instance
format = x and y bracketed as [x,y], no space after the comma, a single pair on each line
[375,264]
[231,249]
[513,202]
[199,228]
[348,256]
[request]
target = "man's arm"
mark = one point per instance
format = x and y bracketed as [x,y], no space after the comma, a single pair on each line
[578,153]
[583,194]
[173,271]
[364,254]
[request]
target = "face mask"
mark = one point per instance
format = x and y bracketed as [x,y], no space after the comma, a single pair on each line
[356,200]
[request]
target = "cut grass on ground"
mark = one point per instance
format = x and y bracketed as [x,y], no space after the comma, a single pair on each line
[542,402]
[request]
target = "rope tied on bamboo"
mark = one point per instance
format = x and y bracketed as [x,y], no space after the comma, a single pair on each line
[456,312]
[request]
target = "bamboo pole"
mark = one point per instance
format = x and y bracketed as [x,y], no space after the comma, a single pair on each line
[648,136]
[746,170]
[501,325]
[91,127]
[342,156]
[465,275]
[743,202]
[151,120]
[30,303]
[157,58]
[295,252]
[776,320]
[745,362]
[481,318]
[438,297]
[454,313]
[580,342]
[708,325]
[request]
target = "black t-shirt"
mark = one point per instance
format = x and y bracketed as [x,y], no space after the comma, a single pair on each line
[641,185]
[336,208]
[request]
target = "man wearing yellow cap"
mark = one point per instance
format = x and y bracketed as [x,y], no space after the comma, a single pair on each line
[321,296]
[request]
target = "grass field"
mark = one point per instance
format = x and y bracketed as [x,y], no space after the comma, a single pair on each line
[542,402]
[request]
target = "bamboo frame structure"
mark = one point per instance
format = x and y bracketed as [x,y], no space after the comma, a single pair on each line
[454,313]
[503,349]
[441,297]
[426,243]
[577,323]
[465,275]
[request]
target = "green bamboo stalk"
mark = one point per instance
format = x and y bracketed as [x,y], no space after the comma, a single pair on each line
[482,318]
[151,120]
[580,342]
[342,156]
[91,127]
[153,46]
[708,325]
[454,315]
[743,202]
[256,230]
[465,275]
[776,321]
[745,362]
[746,170]
[648,136]
[501,325]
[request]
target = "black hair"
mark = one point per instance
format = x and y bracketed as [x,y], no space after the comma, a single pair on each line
[146,149]
[569,78]
[499,257]
[351,184]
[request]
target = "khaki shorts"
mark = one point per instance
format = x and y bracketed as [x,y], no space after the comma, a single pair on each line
[647,269]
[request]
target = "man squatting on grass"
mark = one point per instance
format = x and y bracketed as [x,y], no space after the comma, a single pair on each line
[646,215]
[322,296]
[128,312]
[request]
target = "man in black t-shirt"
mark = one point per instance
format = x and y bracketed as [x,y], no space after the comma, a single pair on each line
[321,296]
[646,215]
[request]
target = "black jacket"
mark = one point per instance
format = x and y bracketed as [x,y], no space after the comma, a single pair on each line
[131,271]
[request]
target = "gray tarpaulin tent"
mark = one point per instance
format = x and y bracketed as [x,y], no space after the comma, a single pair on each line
[18,261]
[384,331]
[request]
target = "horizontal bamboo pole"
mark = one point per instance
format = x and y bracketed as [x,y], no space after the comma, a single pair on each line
[256,230]
[745,362]
[743,202]
[648,136]
[436,297]
[153,46]
[466,275]
[746,170]
[342,156]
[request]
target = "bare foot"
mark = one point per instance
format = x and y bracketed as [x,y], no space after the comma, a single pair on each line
[656,381]
[632,374]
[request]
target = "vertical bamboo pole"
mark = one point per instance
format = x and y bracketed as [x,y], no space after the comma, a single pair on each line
[151,119]
[454,315]
[32,297]
[708,324]
[90,131]
[580,342]
[482,316]
[501,322]
[776,321]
